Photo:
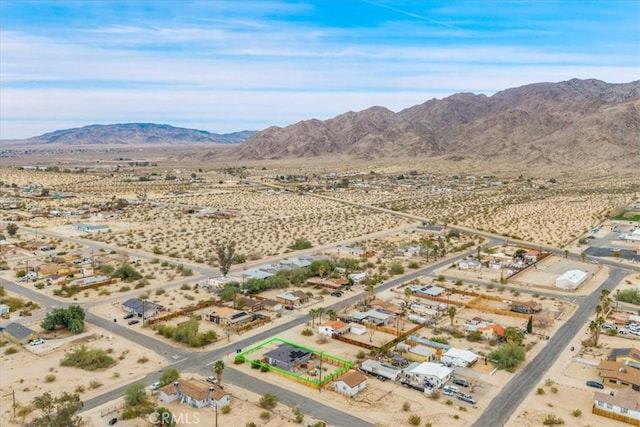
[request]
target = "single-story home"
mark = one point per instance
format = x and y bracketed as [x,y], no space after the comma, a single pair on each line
[195,393]
[469,264]
[357,277]
[227,316]
[528,307]
[624,403]
[492,331]
[92,280]
[214,283]
[619,373]
[142,308]
[420,353]
[386,307]
[331,327]
[292,298]
[429,290]
[90,228]
[18,333]
[432,375]
[287,357]
[457,357]
[350,383]
[570,280]
[375,317]
[628,356]
[250,304]
[380,369]
[272,305]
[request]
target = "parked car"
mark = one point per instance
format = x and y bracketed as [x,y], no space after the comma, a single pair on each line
[36,341]
[467,398]
[634,331]
[112,421]
[449,390]
[336,294]
[133,321]
[212,380]
[155,386]
[595,384]
[128,316]
[461,382]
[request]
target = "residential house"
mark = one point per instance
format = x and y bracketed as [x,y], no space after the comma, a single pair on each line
[624,406]
[469,264]
[628,356]
[380,370]
[56,280]
[91,228]
[92,280]
[428,290]
[571,279]
[491,331]
[287,357]
[250,304]
[531,256]
[431,375]
[386,307]
[18,333]
[357,277]
[331,327]
[142,308]
[292,298]
[230,317]
[255,273]
[420,353]
[350,383]
[374,317]
[460,358]
[528,307]
[332,284]
[272,305]
[195,393]
[619,373]
[212,284]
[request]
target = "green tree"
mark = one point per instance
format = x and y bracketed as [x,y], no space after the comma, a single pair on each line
[71,317]
[313,313]
[513,335]
[508,356]
[331,314]
[169,376]
[127,273]
[224,253]
[12,229]
[530,325]
[218,369]
[396,268]
[300,244]
[58,411]
[135,395]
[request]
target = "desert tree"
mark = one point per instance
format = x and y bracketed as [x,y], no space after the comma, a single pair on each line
[223,255]
[12,229]
[452,313]
[57,411]
[331,314]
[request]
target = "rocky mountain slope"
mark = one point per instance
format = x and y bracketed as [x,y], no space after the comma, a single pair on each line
[137,133]
[584,122]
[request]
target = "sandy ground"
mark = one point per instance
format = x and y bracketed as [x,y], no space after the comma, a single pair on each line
[45,359]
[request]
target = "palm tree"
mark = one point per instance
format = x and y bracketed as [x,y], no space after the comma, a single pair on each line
[371,292]
[313,313]
[218,368]
[452,313]
[320,312]
[332,314]
[407,294]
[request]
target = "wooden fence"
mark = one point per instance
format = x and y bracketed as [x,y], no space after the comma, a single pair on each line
[251,325]
[182,312]
[615,416]
[354,342]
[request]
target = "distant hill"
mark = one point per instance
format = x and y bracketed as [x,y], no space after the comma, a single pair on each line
[135,134]
[571,123]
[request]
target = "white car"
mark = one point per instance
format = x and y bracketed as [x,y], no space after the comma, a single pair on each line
[634,331]
[155,386]
[36,341]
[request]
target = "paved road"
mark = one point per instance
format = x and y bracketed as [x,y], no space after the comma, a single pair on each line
[502,406]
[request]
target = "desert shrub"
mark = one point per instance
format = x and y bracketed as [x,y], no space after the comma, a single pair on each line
[265,415]
[406,406]
[632,296]
[554,390]
[143,359]
[268,401]
[300,244]
[93,384]
[49,378]
[576,412]
[361,354]
[11,350]
[414,420]
[80,389]
[441,340]
[307,332]
[474,336]
[435,395]
[226,409]
[552,420]
[540,390]
[508,356]
[88,359]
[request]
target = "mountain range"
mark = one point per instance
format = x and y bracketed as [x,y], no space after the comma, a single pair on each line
[586,123]
[136,133]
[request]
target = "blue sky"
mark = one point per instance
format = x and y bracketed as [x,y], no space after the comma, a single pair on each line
[226,66]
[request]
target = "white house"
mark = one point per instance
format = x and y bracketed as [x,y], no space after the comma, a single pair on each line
[432,375]
[571,279]
[468,264]
[380,369]
[461,358]
[195,394]
[351,383]
[331,327]
[357,277]
[624,402]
